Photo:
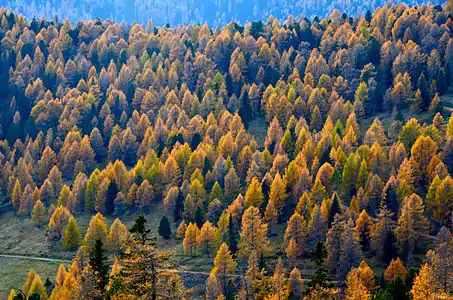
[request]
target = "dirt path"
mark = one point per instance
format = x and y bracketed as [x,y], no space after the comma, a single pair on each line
[55,260]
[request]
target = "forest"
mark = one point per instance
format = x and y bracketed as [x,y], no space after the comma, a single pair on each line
[291,159]
[214,12]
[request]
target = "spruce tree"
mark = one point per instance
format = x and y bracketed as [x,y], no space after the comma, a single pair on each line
[140,230]
[99,266]
[164,228]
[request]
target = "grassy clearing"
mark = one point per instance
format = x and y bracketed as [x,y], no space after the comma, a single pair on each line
[13,273]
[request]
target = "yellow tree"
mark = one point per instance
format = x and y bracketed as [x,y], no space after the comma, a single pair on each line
[412,224]
[253,233]
[37,288]
[254,195]
[190,239]
[97,230]
[213,288]
[277,193]
[208,239]
[444,202]
[117,235]
[366,275]
[356,289]
[297,230]
[39,214]
[422,152]
[224,264]
[72,236]
[395,269]
[292,251]
[425,286]
[363,229]
[295,284]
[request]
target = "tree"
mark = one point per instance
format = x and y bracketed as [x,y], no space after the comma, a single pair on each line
[395,269]
[118,233]
[443,202]
[363,227]
[208,239]
[39,215]
[254,195]
[72,237]
[296,230]
[164,228]
[143,273]
[425,286]
[295,284]
[213,288]
[224,264]
[190,239]
[292,251]
[97,230]
[356,289]
[277,193]
[139,229]
[37,288]
[253,233]
[99,266]
[412,225]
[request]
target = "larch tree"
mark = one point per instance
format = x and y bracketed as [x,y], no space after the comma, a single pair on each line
[213,288]
[297,230]
[118,233]
[254,195]
[224,264]
[72,237]
[37,288]
[395,269]
[356,289]
[190,239]
[444,202]
[253,233]
[350,251]
[208,239]
[363,228]
[57,223]
[295,284]
[292,250]
[97,230]
[39,214]
[277,193]
[412,225]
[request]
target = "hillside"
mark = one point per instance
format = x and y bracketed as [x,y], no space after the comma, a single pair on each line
[214,12]
[307,158]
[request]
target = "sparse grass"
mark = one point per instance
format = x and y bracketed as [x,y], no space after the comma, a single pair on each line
[14,272]
[258,129]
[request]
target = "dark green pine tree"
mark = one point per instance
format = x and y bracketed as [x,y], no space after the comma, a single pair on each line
[164,228]
[98,263]
[199,217]
[140,230]
[232,240]
[319,253]
[179,207]
[398,289]
[334,208]
[245,110]
[112,191]
[389,248]
[320,278]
